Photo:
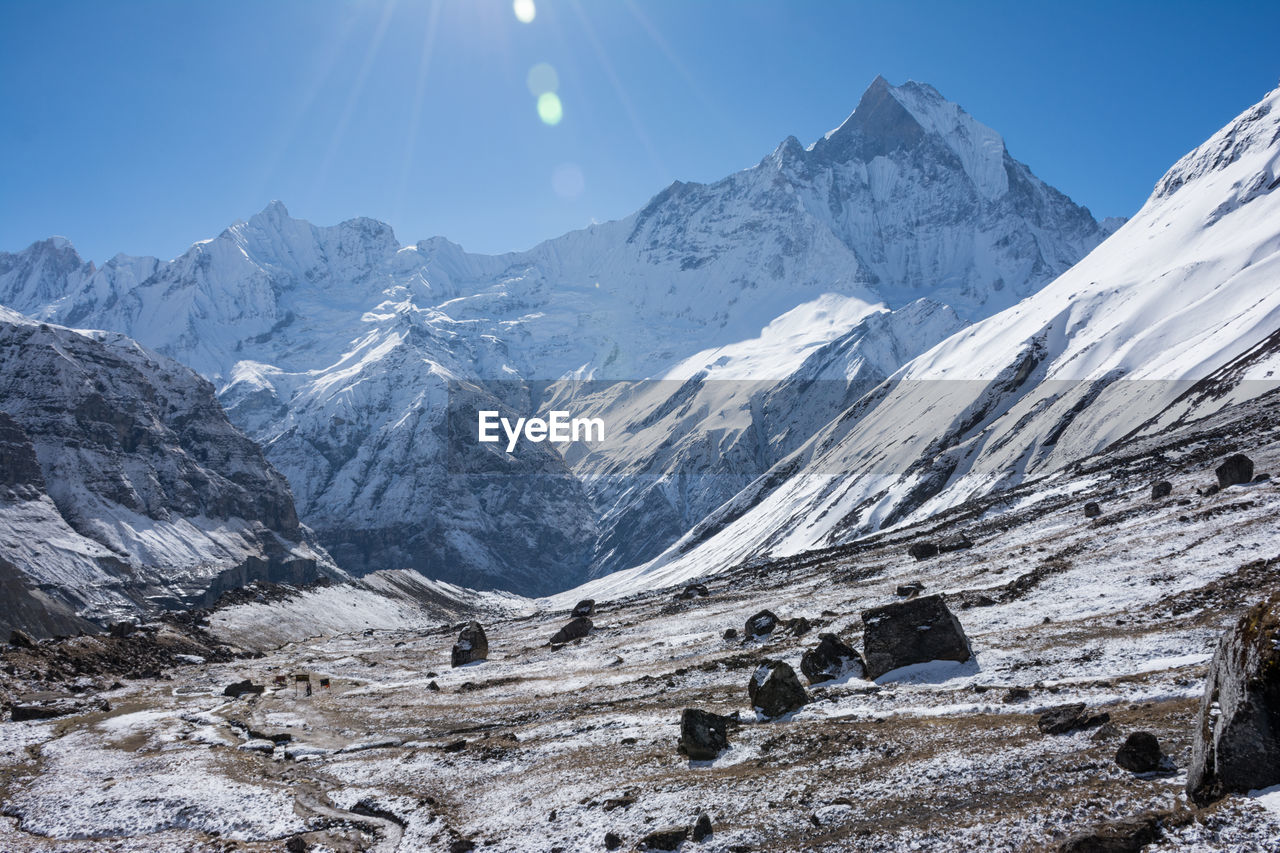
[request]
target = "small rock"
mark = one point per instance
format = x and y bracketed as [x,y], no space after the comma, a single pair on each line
[762,623]
[462,845]
[909,590]
[669,838]
[20,639]
[295,845]
[694,590]
[584,608]
[831,658]
[701,827]
[1092,509]
[1210,491]
[242,688]
[433,687]
[120,630]
[913,631]
[472,645]
[775,690]
[1161,489]
[575,630]
[798,627]
[730,633]
[1141,753]
[1016,694]
[612,841]
[923,550]
[703,735]
[1234,470]
[1067,718]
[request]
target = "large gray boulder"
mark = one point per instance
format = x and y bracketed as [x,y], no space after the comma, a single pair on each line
[1234,471]
[703,735]
[913,631]
[775,690]
[472,645]
[1236,743]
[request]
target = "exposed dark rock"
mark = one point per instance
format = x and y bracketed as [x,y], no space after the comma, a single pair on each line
[52,708]
[296,845]
[798,626]
[762,623]
[831,658]
[694,590]
[669,838]
[1016,694]
[433,687]
[21,639]
[575,630]
[472,645]
[1234,471]
[959,542]
[1067,718]
[1122,836]
[1092,509]
[923,550]
[912,631]
[462,845]
[703,735]
[775,690]
[1161,489]
[701,827]
[907,590]
[1141,753]
[1236,743]
[730,633]
[120,630]
[584,608]
[242,688]
[1210,491]
[612,841]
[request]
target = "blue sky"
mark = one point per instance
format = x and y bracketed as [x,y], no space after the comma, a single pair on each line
[144,126]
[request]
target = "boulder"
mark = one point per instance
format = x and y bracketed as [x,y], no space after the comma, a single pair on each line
[120,630]
[912,631]
[798,627]
[669,838]
[243,688]
[20,639]
[701,828]
[472,645]
[1234,471]
[1092,509]
[1067,718]
[1140,753]
[959,542]
[703,735]
[831,658]
[584,608]
[1161,489]
[775,690]
[694,590]
[730,633]
[575,630]
[908,590]
[1236,742]
[923,550]
[762,623]
[612,841]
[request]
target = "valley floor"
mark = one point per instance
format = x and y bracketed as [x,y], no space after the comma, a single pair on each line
[543,748]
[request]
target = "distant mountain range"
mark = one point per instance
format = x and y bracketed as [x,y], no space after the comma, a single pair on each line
[721,328]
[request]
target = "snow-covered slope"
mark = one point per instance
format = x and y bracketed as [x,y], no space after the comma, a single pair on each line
[332,346]
[1175,316]
[123,485]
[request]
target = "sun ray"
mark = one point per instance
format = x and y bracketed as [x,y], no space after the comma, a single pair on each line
[415,114]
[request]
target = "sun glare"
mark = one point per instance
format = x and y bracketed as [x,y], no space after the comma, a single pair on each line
[525,11]
[550,110]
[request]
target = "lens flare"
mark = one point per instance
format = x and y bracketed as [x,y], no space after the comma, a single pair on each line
[550,110]
[525,11]
[542,79]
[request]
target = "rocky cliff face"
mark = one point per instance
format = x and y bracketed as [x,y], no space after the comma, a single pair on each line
[124,487]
